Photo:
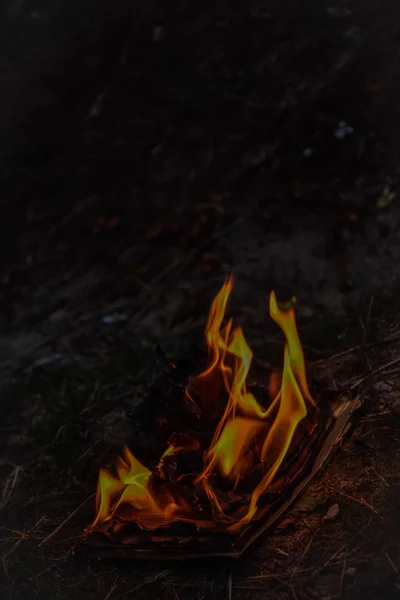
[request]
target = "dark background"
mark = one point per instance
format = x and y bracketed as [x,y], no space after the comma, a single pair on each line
[147,147]
[146,150]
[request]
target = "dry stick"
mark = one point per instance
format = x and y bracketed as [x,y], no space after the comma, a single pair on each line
[332,558]
[358,500]
[392,373]
[295,568]
[380,476]
[343,572]
[14,547]
[87,451]
[292,589]
[23,536]
[9,487]
[368,318]
[335,554]
[147,580]
[386,340]
[112,590]
[375,416]
[266,575]
[373,373]
[57,529]
[230,586]
[22,533]
[391,563]
[93,395]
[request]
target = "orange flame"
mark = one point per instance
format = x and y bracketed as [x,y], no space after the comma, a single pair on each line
[249,438]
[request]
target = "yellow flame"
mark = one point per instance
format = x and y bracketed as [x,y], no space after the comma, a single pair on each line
[292,410]
[287,322]
[244,426]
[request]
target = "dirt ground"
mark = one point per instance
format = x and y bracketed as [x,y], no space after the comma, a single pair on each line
[145,152]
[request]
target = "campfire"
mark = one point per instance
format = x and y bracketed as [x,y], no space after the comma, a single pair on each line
[247,447]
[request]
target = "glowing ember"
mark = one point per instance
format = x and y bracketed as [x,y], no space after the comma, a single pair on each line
[257,447]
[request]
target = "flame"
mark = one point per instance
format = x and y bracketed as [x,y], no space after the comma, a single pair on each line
[250,441]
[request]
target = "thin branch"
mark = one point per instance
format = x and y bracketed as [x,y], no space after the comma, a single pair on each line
[112,590]
[356,384]
[387,340]
[57,529]
[358,500]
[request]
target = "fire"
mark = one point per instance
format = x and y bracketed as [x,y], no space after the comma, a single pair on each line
[246,453]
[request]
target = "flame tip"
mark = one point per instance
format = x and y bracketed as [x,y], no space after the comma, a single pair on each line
[235,445]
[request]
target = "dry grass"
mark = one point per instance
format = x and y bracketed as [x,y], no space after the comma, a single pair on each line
[306,557]
[226,196]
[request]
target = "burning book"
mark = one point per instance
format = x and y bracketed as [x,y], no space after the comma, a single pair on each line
[248,449]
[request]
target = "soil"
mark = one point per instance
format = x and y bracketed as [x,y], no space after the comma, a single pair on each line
[145,152]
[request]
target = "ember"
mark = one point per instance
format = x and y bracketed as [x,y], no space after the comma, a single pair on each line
[255,444]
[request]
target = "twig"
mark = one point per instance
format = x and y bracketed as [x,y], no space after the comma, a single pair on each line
[281,551]
[147,580]
[358,500]
[23,536]
[230,586]
[57,529]
[380,476]
[266,575]
[392,373]
[387,340]
[14,547]
[9,487]
[112,590]
[373,373]
[371,302]
[395,569]
[295,568]
[22,533]
[92,397]
[343,572]
[375,416]
[292,589]
[372,419]
[5,569]
[87,451]
[331,559]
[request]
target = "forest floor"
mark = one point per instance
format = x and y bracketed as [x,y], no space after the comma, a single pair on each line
[146,153]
